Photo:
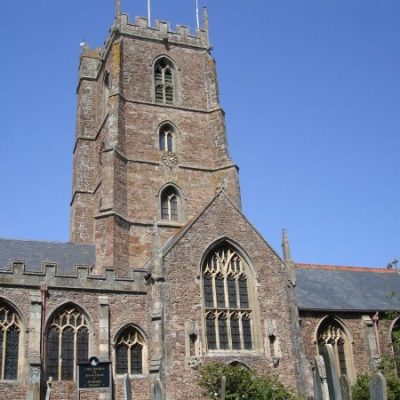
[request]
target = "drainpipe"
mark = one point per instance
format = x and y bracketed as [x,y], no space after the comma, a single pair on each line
[375,320]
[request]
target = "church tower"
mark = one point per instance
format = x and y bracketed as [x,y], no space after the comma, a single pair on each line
[151,142]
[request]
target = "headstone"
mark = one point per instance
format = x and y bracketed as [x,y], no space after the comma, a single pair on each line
[317,385]
[223,387]
[321,377]
[328,355]
[48,388]
[157,391]
[345,387]
[127,388]
[378,387]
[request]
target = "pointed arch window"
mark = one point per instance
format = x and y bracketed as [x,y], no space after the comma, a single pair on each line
[167,138]
[67,343]
[227,307]
[335,348]
[129,352]
[164,81]
[10,328]
[170,204]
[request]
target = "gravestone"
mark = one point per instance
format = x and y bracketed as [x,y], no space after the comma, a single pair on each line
[127,388]
[321,378]
[378,387]
[317,383]
[328,355]
[345,387]
[157,391]
[223,387]
[48,388]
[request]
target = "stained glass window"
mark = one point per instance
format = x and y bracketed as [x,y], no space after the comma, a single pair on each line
[129,352]
[226,300]
[9,342]
[67,343]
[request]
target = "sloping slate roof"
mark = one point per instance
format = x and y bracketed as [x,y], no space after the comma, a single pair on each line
[347,289]
[34,254]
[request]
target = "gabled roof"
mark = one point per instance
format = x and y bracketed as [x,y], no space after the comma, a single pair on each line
[334,288]
[173,240]
[35,253]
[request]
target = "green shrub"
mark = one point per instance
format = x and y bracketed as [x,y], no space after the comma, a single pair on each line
[241,384]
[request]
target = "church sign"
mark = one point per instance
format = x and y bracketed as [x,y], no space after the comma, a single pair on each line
[94,374]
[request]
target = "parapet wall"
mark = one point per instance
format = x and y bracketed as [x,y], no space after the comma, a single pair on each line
[81,278]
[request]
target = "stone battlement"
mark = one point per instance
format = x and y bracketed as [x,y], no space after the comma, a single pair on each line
[80,278]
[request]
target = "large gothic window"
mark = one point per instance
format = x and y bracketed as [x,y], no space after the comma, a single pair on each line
[10,327]
[67,343]
[129,350]
[164,81]
[170,204]
[335,348]
[226,299]
[166,138]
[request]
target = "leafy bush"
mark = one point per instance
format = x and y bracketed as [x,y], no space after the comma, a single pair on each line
[360,389]
[241,384]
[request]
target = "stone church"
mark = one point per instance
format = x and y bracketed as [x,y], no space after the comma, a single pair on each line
[163,272]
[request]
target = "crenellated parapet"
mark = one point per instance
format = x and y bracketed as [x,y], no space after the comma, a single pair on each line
[162,32]
[80,278]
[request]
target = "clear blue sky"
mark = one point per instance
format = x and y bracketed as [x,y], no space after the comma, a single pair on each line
[311,90]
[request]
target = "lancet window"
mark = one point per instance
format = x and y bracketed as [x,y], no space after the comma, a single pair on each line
[129,352]
[164,81]
[226,299]
[169,204]
[10,328]
[67,343]
[166,137]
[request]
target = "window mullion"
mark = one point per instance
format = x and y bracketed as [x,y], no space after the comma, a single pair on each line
[3,370]
[129,359]
[75,354]
[217,345]
[241,331]
[60,353]
[228,327]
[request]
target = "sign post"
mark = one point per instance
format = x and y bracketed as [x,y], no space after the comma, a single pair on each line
[94,375]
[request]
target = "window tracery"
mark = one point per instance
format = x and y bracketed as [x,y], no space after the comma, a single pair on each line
[9,342]
[67,343]
[226,299]
[164,81]
[130,352]
[331,333]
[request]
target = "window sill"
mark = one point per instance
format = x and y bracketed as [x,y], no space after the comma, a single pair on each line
[166,223]
[232,353]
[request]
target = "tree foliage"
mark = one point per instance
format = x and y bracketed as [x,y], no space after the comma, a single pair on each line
[241,383]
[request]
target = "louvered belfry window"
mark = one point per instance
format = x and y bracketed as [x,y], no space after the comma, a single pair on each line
[67,343]
[226,300]
[169,204]
[164,81]
[129,352]
[9,342]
